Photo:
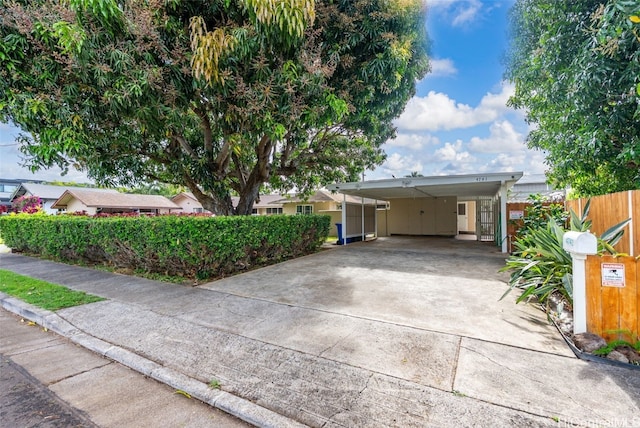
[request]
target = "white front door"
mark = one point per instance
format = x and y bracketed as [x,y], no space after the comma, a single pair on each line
[463,217]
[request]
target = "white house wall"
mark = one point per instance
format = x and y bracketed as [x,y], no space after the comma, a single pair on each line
[75,205]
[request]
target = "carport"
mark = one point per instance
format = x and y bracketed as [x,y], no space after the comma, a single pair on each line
[429,205]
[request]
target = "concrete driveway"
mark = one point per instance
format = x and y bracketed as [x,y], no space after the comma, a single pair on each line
[396,332]
[437,285]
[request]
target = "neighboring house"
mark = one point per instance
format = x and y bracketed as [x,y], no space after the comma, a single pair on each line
[94,202]
[7,187]
[49,194]
[534,184]
[325,202]
[187,203]
[265,206]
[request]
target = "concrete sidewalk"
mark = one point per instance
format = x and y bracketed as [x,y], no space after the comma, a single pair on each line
[68,386]
[391,333]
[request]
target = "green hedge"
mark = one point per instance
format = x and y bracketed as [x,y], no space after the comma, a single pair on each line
[195,247]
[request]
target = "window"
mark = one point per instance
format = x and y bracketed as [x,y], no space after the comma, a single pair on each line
[198,210]
[274,210]
[254,211]
[304,209]
[7,188]
[462,209]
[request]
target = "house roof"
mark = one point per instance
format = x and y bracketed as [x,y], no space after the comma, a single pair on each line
[535,184]
[50,192]
[464,186]
[187,195]
[326,196]
[266,201]
[91,198]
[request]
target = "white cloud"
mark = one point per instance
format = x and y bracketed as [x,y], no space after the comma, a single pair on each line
[502,138]
[413,141]
[458,12]
[436,111]
[398,165]
[453,152]
[467,12]
[507,162]
[442,67]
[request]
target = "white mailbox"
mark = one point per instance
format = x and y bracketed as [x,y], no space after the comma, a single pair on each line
[580,243]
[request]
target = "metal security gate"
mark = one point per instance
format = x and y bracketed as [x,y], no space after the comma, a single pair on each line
[486,229]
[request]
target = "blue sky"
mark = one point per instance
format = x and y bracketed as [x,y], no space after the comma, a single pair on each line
[458,122]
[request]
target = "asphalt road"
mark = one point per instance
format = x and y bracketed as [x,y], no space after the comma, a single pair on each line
[26,402]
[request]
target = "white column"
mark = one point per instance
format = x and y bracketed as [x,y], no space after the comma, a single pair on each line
[375,218]
[503,216]
[362,212]
[344,219]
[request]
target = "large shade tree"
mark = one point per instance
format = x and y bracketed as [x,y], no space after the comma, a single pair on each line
[222,96]
[576,69]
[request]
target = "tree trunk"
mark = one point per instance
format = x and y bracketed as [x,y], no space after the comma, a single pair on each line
[247,199]
[258,176]
[218,205]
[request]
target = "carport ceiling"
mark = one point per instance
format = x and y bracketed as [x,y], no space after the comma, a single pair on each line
[462,186]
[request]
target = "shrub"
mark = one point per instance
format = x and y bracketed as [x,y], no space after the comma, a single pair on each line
[539,264]
[190,246]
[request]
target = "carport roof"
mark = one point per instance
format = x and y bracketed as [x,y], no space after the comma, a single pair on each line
[462,186]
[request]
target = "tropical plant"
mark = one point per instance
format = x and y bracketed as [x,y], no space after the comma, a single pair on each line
[540,265]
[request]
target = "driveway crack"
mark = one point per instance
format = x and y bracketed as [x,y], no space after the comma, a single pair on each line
[586,409]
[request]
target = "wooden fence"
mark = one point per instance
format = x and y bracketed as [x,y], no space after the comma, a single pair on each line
[613,297]
[609,210]
[515,220]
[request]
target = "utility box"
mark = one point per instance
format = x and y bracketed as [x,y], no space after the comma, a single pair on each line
[580,243]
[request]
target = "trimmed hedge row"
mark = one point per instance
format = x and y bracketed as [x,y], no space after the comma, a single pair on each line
[194,247]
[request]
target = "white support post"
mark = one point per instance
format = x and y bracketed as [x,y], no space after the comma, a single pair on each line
[503,216]
[344,220]
[579,245]
[375,218]
[362,212]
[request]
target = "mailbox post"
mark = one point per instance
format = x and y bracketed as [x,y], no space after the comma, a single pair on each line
[579,245]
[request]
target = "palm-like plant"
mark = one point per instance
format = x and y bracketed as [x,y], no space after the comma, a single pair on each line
[540,266]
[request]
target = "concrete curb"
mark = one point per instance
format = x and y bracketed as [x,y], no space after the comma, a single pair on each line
[236,406]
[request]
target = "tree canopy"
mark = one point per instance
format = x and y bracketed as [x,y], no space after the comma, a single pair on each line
[219,96]
[576,69]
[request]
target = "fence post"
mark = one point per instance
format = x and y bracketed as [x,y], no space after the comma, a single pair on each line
[579,245]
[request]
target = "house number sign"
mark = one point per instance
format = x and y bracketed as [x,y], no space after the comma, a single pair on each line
[613,275]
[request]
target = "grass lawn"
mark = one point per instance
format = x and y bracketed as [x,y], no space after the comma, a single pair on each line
[41,293]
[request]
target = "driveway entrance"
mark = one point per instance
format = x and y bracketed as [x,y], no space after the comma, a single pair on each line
[430,283]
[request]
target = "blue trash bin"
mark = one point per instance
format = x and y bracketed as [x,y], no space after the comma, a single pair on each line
[339,227]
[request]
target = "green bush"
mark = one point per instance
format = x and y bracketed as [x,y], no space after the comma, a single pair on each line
[190,246]
[539,264]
